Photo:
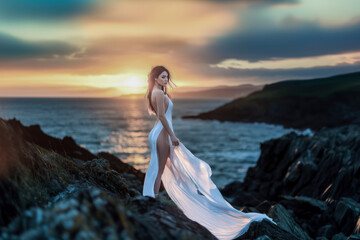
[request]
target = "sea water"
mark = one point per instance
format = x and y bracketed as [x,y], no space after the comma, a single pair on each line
[121,126]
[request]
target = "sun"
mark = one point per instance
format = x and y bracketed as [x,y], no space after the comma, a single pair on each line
[125,83]
[133,81]
[133,84]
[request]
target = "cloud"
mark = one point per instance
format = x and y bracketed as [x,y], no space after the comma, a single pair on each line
[194,21]
[43,9]
[291,63]
[210,76]
[187,36]
[297,39]
[266,75]
[14,48]
[56,91]
[100,56]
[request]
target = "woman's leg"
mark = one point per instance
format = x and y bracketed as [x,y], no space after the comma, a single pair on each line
[163,151]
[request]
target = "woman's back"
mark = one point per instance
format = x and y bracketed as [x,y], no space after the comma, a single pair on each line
[156,100]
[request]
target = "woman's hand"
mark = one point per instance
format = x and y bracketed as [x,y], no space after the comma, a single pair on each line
[174,140]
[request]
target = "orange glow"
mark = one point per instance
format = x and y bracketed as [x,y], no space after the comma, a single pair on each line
[109,50]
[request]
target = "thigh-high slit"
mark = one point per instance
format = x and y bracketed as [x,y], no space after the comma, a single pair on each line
[163,152]
[153,169]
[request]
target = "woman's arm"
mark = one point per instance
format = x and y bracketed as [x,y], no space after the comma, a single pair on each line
[160,103]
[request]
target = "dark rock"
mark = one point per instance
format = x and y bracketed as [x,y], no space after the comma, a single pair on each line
[317,179]
[339,236]
[92,214]
[327,231]
[354,237]
[266,228]
[284,220]
[264,237]
[347,214]
[304,207]
[247,198]
[278,170]
[229,189]
[264,206]
[120,166]
[66,146]
[357,228]
[101,174]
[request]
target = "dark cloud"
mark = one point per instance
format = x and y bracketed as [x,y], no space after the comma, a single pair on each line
[43,9]
[292,39]
[262,75]
[266,76]
[14,48]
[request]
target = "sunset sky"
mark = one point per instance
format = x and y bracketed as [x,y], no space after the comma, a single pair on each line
[93,48]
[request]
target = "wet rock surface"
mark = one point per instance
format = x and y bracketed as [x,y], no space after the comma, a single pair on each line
[315,178]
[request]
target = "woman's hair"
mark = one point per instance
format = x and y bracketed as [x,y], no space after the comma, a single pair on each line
[154,73]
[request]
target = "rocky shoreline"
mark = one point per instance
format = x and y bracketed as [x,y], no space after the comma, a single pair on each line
[315,179]
[53,188]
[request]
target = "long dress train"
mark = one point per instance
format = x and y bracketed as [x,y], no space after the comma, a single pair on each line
[187,181]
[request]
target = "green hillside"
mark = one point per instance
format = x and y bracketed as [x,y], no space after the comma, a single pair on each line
[318,87]
[312,103]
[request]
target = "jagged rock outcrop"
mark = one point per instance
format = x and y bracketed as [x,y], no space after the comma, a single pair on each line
[316,178]
[65,147]
[47,193]
[91,213]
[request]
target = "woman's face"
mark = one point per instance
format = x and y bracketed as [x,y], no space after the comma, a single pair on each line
[163,79]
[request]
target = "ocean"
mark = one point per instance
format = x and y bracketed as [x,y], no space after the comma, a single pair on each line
[121,126]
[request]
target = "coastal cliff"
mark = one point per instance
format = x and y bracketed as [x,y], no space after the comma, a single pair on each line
[315,103]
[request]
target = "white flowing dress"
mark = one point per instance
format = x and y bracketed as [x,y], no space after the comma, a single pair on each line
[187,181]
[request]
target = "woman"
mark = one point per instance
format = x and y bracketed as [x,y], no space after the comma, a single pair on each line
[185,177]
[156,100]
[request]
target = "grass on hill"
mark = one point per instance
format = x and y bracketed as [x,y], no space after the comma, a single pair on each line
[319,87]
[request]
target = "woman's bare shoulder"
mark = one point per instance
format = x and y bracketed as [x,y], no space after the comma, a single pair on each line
[158,93]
